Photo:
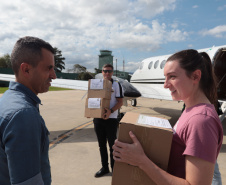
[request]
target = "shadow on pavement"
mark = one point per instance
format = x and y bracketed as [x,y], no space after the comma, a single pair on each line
[82,135]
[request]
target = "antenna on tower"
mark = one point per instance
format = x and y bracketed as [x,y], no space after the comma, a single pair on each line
[116,67]
[123,65]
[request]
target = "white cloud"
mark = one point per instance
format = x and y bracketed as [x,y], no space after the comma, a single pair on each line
[151,8]
[218,31]
[195,6]
[221,8]
[174,25]
[132,66]
[81,28]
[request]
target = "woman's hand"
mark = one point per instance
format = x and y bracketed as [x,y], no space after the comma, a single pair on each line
[132,154]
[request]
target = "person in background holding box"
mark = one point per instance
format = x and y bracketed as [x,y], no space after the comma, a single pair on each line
[106,128]
[198,133]
[24,142]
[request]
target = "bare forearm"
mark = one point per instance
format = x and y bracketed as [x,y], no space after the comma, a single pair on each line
[117,105]
[159,176]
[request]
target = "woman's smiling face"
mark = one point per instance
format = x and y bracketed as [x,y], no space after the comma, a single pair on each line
[177,81]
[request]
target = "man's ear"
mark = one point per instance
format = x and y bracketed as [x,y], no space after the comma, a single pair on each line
[196,75]
[25,69]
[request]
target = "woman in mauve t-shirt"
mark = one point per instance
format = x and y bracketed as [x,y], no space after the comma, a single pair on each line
[198,133]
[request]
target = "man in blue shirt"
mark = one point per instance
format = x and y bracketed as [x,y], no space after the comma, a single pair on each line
[24,142]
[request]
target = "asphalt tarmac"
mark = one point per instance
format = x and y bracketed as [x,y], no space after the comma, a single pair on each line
[74,153]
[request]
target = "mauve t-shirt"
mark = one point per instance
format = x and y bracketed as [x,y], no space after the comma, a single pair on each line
[199,133]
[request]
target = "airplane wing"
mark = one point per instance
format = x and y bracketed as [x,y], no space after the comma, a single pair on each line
[129,90]
[155,91]
[71,84]
[7,77]
[64,83]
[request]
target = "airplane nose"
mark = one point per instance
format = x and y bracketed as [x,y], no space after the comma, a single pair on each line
[130,90]
[134,93]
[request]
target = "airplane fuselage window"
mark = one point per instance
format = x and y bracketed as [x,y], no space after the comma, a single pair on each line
[162,64]
[150,65]
[156,64]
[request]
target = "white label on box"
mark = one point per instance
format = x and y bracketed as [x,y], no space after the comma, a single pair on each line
[94,103]
[152,121]
[96,84]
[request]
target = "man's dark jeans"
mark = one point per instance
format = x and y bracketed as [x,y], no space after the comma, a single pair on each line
[106,130]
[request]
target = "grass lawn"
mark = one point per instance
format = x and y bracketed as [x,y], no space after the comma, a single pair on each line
[3,89]
[58,89]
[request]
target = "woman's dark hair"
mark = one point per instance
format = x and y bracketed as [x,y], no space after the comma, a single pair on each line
[190,60]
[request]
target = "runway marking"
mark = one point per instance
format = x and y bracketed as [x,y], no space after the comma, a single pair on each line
[67,134]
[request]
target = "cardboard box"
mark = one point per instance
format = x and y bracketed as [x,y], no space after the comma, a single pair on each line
[95,107]
[155,139]
[99,88]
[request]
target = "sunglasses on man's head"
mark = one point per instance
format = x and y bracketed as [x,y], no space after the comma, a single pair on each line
[107,71]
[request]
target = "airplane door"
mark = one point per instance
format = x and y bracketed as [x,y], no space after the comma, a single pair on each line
[220,72]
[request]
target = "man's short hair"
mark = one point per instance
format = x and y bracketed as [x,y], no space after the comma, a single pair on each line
[108,65]
[28,50]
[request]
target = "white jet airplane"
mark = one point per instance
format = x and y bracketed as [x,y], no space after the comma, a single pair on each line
[149,77]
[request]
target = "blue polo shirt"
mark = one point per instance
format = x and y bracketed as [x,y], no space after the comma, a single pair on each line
[24,142]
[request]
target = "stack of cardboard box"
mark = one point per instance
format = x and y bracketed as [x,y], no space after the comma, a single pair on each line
[98,98]
[155,136]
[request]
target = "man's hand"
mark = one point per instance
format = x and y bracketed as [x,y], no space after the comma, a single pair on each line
[107,113]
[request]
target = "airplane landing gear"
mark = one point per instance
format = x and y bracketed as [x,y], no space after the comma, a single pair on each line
[134,102]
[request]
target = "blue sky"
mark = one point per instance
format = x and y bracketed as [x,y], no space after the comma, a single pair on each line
[132,29]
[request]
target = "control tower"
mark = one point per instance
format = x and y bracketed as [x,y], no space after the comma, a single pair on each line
[105,57]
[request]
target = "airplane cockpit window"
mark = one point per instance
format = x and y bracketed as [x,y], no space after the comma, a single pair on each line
[156,64]
[141,65]
[150,65]
[162,64]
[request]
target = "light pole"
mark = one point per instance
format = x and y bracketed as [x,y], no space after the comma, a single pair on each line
[116,67]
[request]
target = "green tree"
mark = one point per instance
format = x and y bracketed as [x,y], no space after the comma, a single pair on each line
[2,63]
[79,68]
[97,70]
[59,60]
[85,76]
[5,61]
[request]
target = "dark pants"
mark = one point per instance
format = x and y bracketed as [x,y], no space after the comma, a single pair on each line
[106,130]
